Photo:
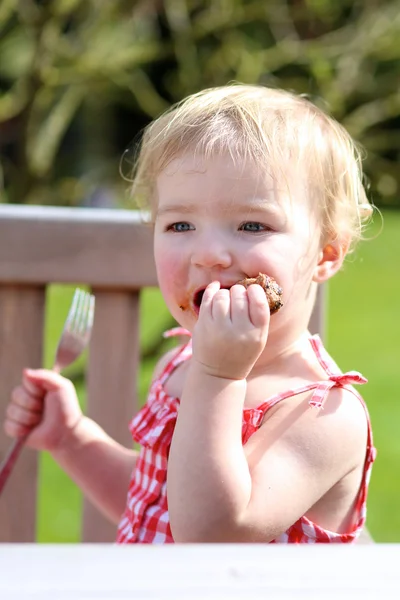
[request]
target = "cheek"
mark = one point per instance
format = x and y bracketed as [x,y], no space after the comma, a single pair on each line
[308,258]
[168,270]
[289,261]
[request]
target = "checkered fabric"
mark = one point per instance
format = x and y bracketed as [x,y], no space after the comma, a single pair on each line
[145,519]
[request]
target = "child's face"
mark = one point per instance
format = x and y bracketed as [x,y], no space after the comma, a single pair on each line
[220,220]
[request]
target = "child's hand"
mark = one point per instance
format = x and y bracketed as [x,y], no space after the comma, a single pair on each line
[45,406]
[231,331]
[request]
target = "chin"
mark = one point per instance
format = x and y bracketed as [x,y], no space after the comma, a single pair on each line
[185,316]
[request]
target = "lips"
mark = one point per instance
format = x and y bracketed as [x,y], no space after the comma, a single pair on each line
[198,296]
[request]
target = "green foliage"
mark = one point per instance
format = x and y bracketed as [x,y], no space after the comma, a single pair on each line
[79,79]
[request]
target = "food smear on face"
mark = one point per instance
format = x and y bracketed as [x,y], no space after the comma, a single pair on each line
[272,290]
[186,302]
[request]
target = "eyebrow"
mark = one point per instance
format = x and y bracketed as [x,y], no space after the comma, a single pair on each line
[259,204]
[253,204]
[176,208]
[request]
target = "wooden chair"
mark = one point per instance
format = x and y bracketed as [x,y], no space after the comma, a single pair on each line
[110,251]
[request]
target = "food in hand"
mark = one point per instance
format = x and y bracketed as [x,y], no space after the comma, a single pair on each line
[272,290]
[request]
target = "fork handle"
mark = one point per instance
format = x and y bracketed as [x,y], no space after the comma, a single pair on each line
[10,459]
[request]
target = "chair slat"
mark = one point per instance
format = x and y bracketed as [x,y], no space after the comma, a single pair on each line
[104,248]
[112,382]
[21,335]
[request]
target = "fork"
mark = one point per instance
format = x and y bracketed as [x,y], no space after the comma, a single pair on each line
[74,339]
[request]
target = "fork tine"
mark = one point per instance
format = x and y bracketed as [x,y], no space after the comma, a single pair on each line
[81,314]
[74,319]
[87,319]
[90,317]
[73,310]
[81,320]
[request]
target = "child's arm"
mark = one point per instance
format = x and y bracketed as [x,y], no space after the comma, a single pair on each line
[100,466]
[45,405]
[220,491]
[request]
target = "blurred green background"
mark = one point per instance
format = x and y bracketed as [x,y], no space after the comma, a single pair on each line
[80,78]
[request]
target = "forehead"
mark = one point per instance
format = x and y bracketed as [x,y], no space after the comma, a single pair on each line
[219,178]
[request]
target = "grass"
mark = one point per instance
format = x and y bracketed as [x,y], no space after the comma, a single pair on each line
[363,334]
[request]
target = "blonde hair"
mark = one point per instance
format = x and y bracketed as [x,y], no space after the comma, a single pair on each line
[272,127]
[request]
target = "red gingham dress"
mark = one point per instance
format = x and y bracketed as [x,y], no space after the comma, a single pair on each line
[145,519]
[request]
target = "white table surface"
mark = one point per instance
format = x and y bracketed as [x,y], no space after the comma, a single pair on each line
[209,572]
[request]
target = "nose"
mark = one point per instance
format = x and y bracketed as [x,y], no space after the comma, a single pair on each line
[210,252]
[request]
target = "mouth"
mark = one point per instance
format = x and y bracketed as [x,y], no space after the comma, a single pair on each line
[198,297]
[197,300]
[272,290]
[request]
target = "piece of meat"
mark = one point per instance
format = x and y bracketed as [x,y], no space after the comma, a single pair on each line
[272,290]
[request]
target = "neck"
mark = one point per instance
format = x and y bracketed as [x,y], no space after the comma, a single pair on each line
[278,353]
[286,337]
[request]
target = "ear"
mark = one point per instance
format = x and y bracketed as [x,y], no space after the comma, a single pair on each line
[331,258]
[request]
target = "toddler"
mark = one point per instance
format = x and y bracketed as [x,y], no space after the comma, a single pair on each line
[251,433]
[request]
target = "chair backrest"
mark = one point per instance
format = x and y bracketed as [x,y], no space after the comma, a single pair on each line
[111,252]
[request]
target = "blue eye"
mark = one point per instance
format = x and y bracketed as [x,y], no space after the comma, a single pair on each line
[180,227]
[253,227]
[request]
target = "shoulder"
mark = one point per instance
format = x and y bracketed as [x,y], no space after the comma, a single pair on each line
[333,437]
[343,423]
[307,450]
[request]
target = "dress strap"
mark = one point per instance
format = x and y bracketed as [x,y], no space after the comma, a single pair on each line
[338,379]
[324,359]
[323,387]
[335,377]
[175,331]
[183,352]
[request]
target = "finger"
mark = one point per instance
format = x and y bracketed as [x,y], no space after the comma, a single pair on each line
[239,304]
[24,399]
[221,305]
[25,418]
[37,380]
[209,293]
[258,306]
[32,388]
[15,430]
